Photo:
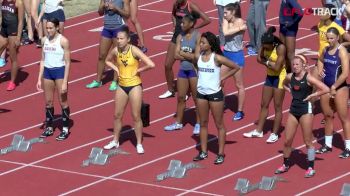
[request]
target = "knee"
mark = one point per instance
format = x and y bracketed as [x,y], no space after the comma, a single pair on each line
[118,116]
[288,144]
[136,117]
[278,107]
[181,98]
[220,126]
[240,86]
[204,123]
[102,56]
[264,105]
[168,66]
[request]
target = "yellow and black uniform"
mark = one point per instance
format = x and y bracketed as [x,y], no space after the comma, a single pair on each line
[274,78]
[322,31]
[128,65]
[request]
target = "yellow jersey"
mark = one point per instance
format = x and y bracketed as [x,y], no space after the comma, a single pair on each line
[128,65]
[272,56]
[322,31]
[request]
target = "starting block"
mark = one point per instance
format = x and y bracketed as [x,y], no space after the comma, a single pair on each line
[97,157]
[176,170]
[267,183]
[19,144]
[345,191]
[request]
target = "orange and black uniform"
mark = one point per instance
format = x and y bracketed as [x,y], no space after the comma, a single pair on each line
[9,25]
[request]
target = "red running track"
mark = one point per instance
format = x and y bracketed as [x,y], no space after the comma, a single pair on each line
[54,168]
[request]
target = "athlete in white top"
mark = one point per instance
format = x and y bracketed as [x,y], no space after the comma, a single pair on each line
[54,72]
[209,93]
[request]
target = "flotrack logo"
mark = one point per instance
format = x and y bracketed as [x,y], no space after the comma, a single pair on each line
[319,11]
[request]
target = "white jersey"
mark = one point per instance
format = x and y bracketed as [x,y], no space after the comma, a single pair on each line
[225,2]
[52,5]
[208,76]
[53,53]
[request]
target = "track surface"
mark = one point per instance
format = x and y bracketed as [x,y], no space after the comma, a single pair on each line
[54,168]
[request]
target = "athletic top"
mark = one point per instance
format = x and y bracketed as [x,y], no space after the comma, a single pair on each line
[179,13]
[300,90]
[286,7]
[9,12]
[113,20]
[208,76]
[234,42]
[332,67]
[53,53]
[52,5]
[128,65]
[272,56]
[322,31]
[188,45]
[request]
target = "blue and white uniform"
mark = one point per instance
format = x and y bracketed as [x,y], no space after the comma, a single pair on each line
[54,64]
[208,86]
[332,67]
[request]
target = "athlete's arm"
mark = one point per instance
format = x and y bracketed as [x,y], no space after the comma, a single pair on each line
[149,64]
[320,65]
[286,82]
[41,69]
[110,60]
[241,26]
[42,12]
[124,12]
[344,58]
[177,55]
[322,88]
[221,60]
[101,8]
[205,18]
[66,49]
[281,53]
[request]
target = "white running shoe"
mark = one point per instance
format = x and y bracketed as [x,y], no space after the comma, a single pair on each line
[253,133]
[112,144]
[173,127]
[196,129]
[272,138]
[167,94]
[139,149]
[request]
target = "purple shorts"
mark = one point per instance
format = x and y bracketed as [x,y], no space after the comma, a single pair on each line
[110,33]
[186,74]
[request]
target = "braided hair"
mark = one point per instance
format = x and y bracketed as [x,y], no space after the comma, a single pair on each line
[269,38]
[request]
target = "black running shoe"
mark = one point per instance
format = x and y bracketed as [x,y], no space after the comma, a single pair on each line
[201,156]
[63,135]
[323,149]
[219,159]
[345,154]
[48,132]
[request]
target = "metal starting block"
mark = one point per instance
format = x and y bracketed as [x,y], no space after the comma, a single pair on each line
[97,157]
[345,191]
[176,170]
[19,144]
[266,183]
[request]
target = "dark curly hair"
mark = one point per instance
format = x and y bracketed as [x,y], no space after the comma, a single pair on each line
[213,41]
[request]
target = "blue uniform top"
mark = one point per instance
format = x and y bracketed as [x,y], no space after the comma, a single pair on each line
[290,12]
[332,67]
[113,20]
